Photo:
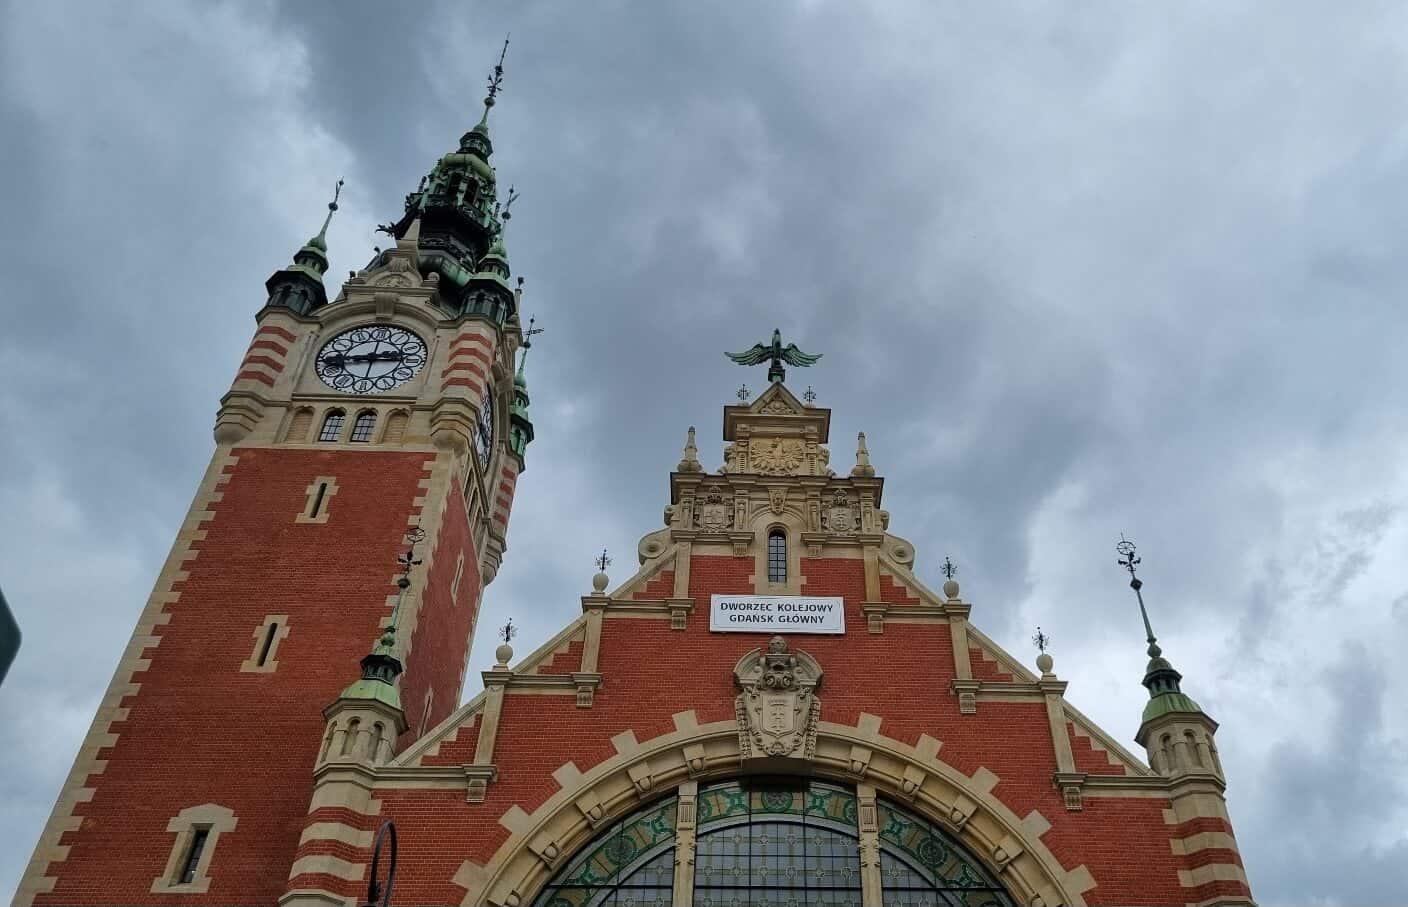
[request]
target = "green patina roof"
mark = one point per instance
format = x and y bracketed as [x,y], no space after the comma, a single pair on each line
[1168,703]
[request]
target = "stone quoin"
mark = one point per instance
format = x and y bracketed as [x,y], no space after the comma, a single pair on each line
[296,677]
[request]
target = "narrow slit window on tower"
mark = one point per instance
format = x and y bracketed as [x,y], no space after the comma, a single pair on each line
[269,635]
[777,556]
[362,428]
[332,425]
[192,861]
[318,497]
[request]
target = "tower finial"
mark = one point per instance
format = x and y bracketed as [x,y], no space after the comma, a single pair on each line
[689,462]
[528,339]
[862,467]
[496,82]
[1129,560]
[381,667]
[332,207]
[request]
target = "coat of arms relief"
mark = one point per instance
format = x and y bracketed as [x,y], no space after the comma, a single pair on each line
[777,709]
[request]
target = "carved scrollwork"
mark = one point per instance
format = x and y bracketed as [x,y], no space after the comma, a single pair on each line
[777,408]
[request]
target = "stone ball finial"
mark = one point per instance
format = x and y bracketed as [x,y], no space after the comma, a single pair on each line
[951,589]
[1044,663]
[599,582]
[502,655]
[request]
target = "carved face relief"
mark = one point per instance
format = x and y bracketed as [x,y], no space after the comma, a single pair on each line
[777,500]
[775,456]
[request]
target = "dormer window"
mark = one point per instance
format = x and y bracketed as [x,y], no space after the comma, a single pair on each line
[777,556]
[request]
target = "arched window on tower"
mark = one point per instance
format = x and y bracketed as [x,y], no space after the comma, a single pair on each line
[332,425]
[362,428]
[777,556]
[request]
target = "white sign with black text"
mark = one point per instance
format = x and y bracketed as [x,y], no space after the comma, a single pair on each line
[776,614]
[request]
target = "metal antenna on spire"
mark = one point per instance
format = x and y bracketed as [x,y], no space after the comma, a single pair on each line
[1129,561]
[496,80]
[503,211]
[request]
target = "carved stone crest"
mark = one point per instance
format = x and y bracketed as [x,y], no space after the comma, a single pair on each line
[840,517]
[776,407]
[777,499]
[775,456]
[715,515]
[777,710]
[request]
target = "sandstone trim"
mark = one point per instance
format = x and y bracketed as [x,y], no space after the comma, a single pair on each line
[1011,845]
[40,875]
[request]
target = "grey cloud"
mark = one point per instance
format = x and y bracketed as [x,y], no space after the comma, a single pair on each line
[1074,271]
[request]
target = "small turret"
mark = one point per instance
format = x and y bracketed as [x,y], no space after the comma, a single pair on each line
[520,426]
[1175,731]
[300,285]
[365,720]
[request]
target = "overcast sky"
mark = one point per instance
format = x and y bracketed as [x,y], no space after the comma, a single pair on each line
[1076,270]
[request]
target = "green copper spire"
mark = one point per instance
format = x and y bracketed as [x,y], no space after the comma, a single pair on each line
[381,667]
[300,285]
[520,426]
[1160,677]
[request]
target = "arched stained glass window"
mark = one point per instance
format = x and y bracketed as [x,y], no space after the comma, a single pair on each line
[773,843]
[632,865]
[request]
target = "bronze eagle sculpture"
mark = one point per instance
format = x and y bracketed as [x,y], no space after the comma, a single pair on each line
[777,354]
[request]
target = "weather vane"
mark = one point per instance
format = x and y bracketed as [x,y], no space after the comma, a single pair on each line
[528,339]
[947,568]
[603,562]
[414,536]
[1129,560]
[809,395]
[508,631]
[1041,641]
[505,215]
[777,354]
[742,393]
[496,81]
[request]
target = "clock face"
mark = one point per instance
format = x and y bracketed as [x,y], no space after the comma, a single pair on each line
[484,435]
[370,360]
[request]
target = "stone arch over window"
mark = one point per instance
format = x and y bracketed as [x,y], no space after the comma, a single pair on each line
[931,795]
[298,425]
[332,425]
[363,426]
[777,556]
[774,841]
[395,429]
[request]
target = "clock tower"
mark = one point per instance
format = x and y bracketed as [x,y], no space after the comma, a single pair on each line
[359,422]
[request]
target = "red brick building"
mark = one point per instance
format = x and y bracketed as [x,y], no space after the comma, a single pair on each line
[772,709]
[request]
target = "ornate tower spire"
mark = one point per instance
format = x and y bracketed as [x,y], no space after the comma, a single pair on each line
[300,285]
[460,236]
[520,426]
[1176,731]
[381,667]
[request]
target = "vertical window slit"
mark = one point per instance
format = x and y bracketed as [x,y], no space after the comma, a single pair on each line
[268,644]
[188,866]
[318,499]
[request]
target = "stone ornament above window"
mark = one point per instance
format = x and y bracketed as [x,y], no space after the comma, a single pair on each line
[777,710]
